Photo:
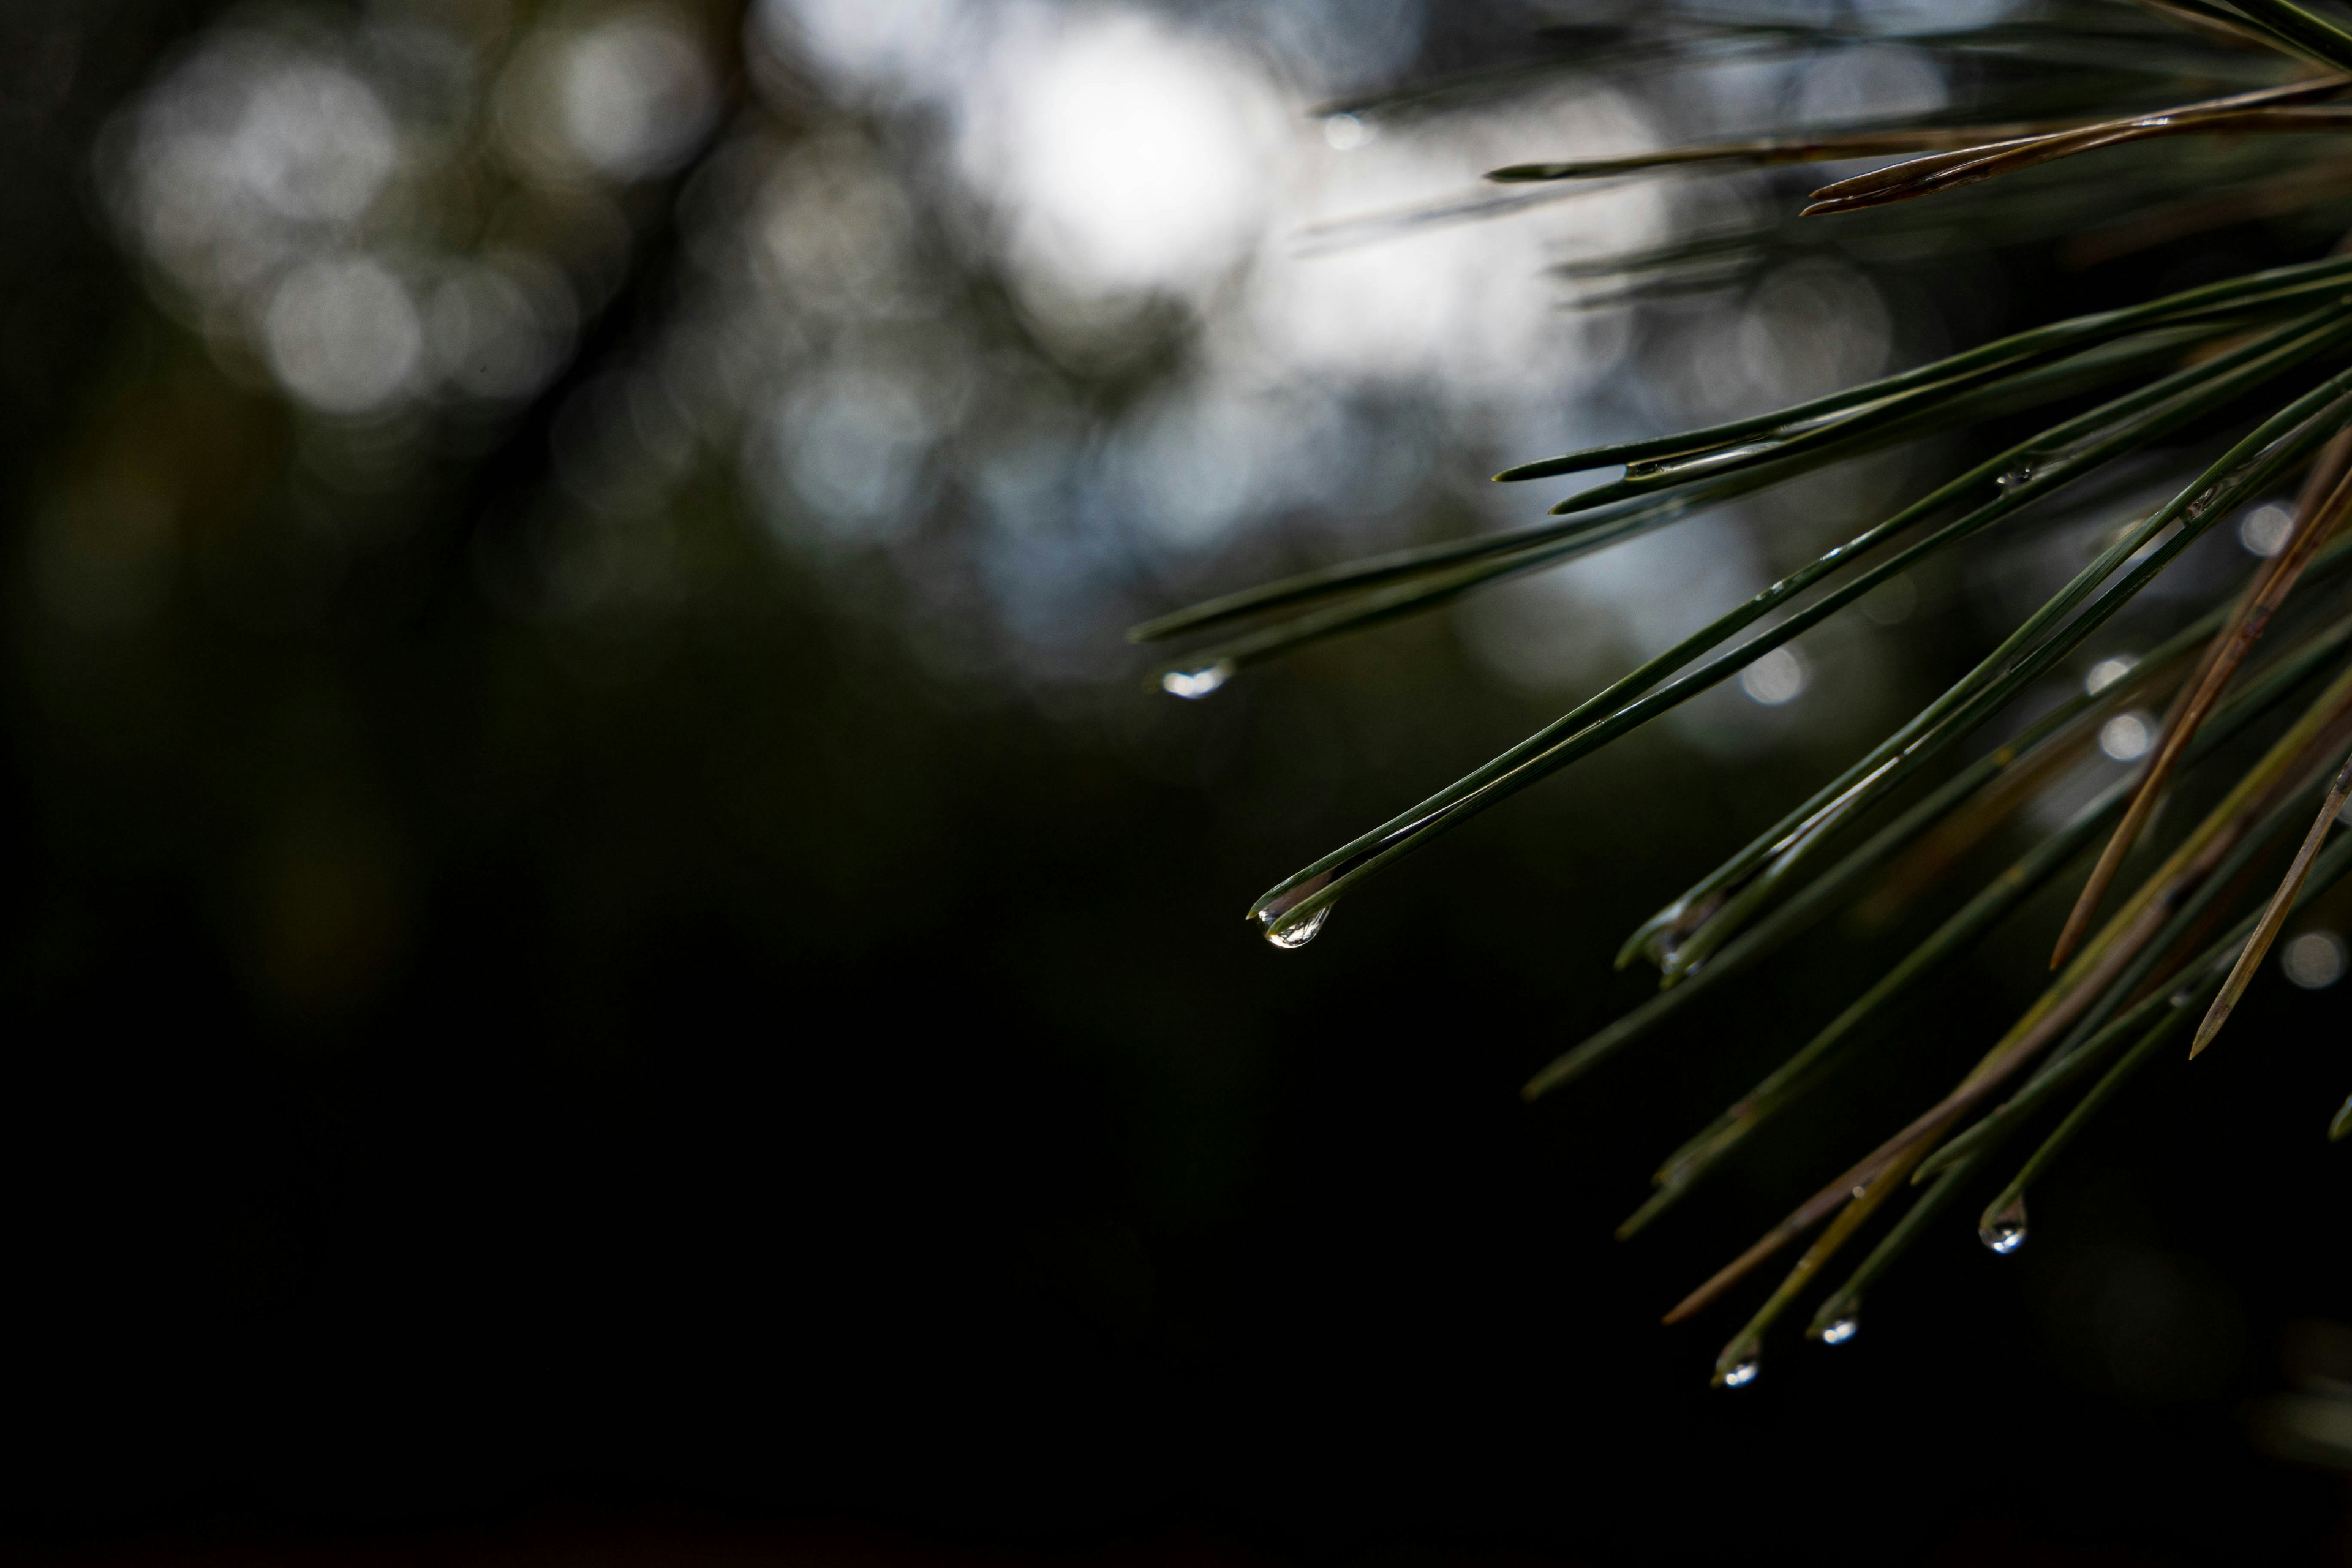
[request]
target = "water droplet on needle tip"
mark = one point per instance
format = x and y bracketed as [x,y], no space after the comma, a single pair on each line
[2005,1231]
[1298,933]
[1739,1374]
[1844,1328]
[1194,684]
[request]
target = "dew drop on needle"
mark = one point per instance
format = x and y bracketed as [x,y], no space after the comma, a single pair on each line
[1844,1328]
[1739,1374]
[2005,1231]
[1194,684]
[1299,933]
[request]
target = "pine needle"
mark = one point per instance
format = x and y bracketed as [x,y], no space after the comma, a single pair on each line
[2264,111]
[2327,495]
[1767,151]
[2275,915]
[2038,90]
[2100,962]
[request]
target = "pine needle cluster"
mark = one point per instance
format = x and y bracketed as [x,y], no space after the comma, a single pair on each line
[2169,928]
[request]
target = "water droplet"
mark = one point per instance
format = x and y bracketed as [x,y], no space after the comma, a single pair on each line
[1844,1328]
[2021,475]
[1345,132]
[1738,1374]
[1300,933]
[1191,684]
[2005,1231]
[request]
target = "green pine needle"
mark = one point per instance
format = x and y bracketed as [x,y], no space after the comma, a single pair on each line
[2259,365]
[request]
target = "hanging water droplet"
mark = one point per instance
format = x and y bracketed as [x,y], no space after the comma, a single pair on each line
[2005,1231]
[1300,933]
[1844,1328]
[1193,684]
[2021,474]
[1738,1374]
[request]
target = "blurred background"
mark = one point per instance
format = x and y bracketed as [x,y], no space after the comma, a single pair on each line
[608,955]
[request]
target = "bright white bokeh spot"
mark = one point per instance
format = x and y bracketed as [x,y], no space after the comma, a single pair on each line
[1472,307]
[1345,132]
[887,46]
[2126,737]
[635,95]
[314,144]
[247,153]
[1124,154]
[2106,673]
[2264,530]
[1777,678]
[342,335]
[2315,961]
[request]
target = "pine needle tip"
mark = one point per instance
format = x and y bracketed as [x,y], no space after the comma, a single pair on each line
[2205,1031]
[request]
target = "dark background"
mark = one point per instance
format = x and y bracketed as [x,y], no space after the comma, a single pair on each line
[473,1093]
